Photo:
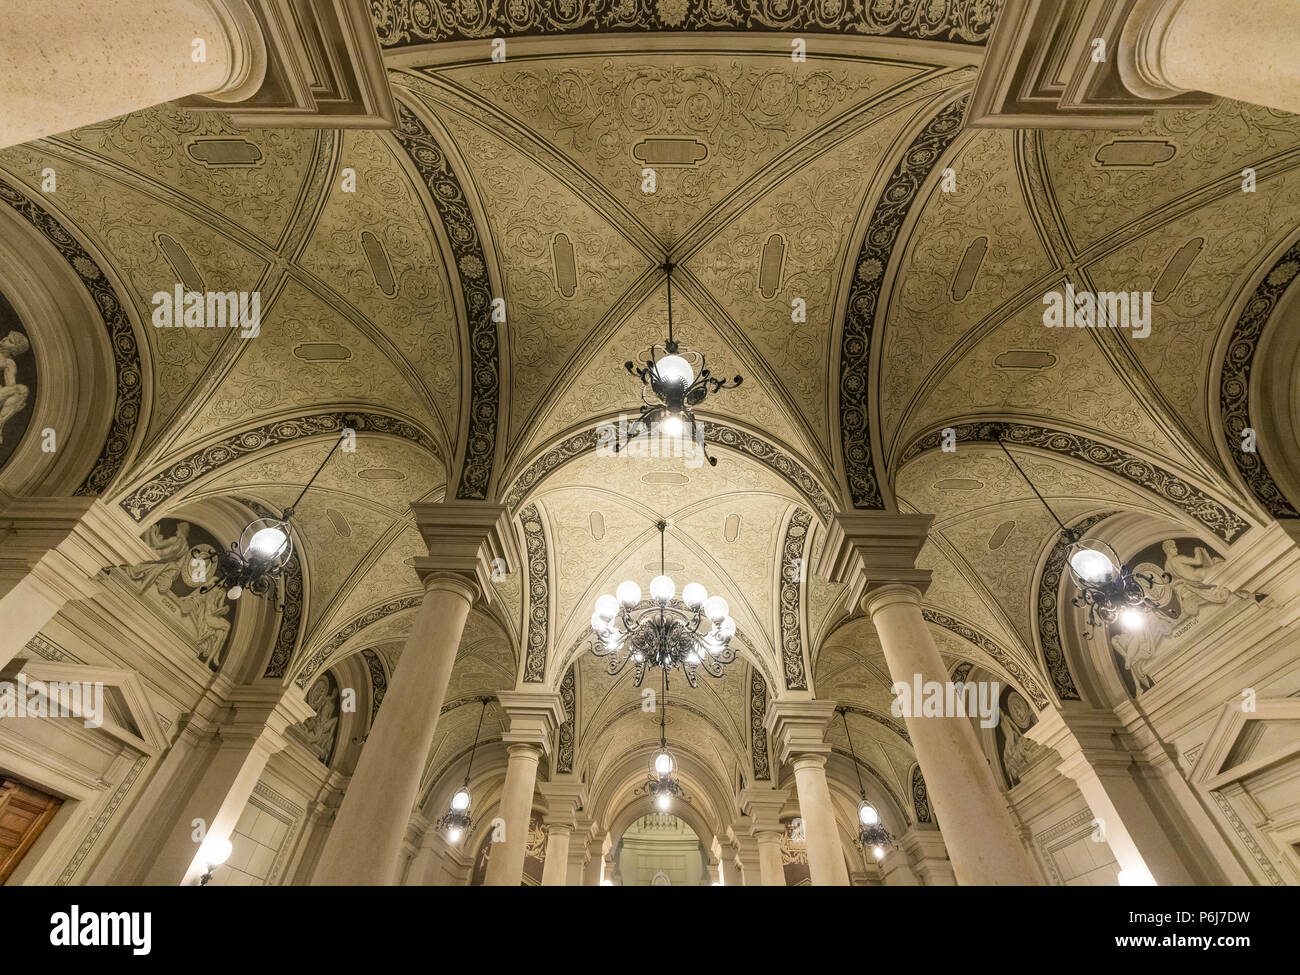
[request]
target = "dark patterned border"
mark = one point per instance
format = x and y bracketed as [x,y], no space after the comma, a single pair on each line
[471,266]
[1192,501]
[159,488]
[792,555]
[756,448]
[126,353]
[1049,616]
[568,738]
[757,726]
[539,596]
[378,682]
[368,618]
[868,279]
[286,638]
[402,23]
[1234,382]
[1028,681]
[920,797]
[961,671]
[889,723]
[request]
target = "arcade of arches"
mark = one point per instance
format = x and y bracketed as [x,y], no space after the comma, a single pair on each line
[441,228]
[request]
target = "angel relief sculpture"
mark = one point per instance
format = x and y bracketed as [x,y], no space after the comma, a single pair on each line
[1179,592]
[174,583]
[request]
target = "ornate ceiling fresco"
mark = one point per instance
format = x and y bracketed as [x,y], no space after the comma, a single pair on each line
[778,185]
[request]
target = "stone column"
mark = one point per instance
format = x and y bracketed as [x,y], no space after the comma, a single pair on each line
[1245,51]
[465,539]
[875,552]
[51,553]
[74,62]
[534,717]
[261,714]
[798,728]
[763,806]
[715,872]
[1085,740]
[729,868]
[565,795]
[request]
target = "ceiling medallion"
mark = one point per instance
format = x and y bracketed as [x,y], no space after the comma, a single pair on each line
[665,632]
[872,835]
[456,821]
[673,383]
[1109,590]
[256,561]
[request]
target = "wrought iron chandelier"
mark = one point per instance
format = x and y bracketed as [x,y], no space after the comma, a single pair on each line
[456,821]
[662,787]
[664,632]
[673,383]
[872,835]
[256,561]
[1108,589]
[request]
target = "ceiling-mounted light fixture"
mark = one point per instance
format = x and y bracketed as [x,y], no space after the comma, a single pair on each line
[662,786]
[256,561]
[872,836]
[456,821]
[1108,589]
[666,632]
[673,383]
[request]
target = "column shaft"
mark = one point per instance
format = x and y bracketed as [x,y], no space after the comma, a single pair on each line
[976,828]
[555,872]
[366,840]
[825,856]
[81,61]
[771,870]
[506,861]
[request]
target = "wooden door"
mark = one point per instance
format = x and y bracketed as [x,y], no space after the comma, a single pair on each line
[24,813]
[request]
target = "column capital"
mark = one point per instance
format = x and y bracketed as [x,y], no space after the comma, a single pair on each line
[264,710]
[798,728]
[534,717]
[763,807]
[564,797]
[470,539]
[1084,738]
[869,549]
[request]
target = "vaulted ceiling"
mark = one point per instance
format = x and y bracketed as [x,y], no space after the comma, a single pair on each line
[777,185]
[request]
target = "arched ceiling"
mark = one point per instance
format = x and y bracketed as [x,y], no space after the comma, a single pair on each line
[773,177]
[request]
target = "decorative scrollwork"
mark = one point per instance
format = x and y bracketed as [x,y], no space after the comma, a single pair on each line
[792,576]
[368,618]
[539,596]
[757,728]
[1028,682]
[868,280]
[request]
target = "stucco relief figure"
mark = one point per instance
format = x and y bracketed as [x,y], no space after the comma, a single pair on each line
[318,731]
[13,394]
[175,580]
[1189,574]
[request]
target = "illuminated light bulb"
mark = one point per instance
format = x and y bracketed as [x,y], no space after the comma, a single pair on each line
[664,802]
[637,657]
[460,801]
[867,814]
[600,624]
[216,851]
[715,608]
[1091,565]
[725,630]
[663,763]
[268,542]
[671,425]
[694,595]
[234,592]
[606,607]
[878,852]
[1132,619]
[662,589]
[629,593]
[692,658]
[675,371]
[453,835]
